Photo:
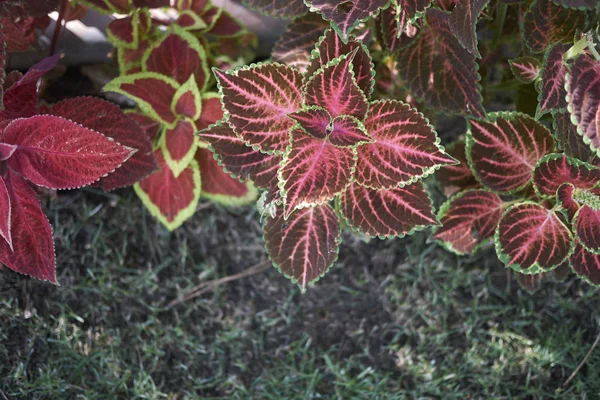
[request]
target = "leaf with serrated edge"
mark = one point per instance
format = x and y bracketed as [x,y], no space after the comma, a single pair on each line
[564,197]
[346,15]
[211,110]
[463,21]
[300,37]
[257,100]
[454,178]
[586,227]
[304,246]
[552,95]
[468,220]
[179,146]
[107,118]
[334,88]
[546,23]
[314,120]
[504,150]
[313,171]
[586,264]
[178,55]
[440,71]
[387,213]
[187,101]
[555,169]
[33,253]
[413,8]
[568,139]
[348,131]
[531,239]
[218,186]
[405,147]
[170,199]
[279,8]
[124,32]
[59,154]
[525,69]
[5,211]
[583,86]
[152,92]
[331,46]
[240,160]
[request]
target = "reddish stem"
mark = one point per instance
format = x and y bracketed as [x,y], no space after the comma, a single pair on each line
[62,9]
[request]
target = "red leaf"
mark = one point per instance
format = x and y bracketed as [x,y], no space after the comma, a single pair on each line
[56,153]
[532,239]
[552,94]
[583,86]
[123,32]
[170,199]
[279,8]
[108,119]
[5,211]
[33,253]
[295,45]
[331,47]
[241,160]
[568,139]
[387,213]
[211,111]
[462,23]
[334,88]
[346,15]
[546,23]
[27,8]
[313,171]
[587,228]
[348,131]
[413,7]
[314,120]
[217,185]
[405,147]
[526,70]
[454,178]
[586,264]
[304,246]
[505,149]
[152,92]
[148,125]
[179,146]
[468,220]
[564,195]
[258,99]
[439,70]
[226,25]
[6,151]
[555,169]
[394,26]
[178,55]
[187,101]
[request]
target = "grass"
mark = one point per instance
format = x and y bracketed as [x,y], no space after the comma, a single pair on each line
[393,320]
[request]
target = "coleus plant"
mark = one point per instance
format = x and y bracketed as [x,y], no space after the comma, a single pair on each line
[326,155]
[166,72]
[73,143]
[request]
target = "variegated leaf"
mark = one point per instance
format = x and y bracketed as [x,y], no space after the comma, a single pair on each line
[555,169]
[179,146]
[454,178]
[526,69]
[552,95]
[463,21]
[586,264]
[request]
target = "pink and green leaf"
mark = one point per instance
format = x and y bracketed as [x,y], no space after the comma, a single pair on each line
[313,171]
[258,99]
[526,69]
[586,264]
[583,86]
[468,220]
[439,70]
[586,227]
[108,119]
[546,23]
[569,140]
[6,151]
[314,120]
[178,55]
[555,169]
[218,186]
[187,101]
[405,147]
[463,21]
[59,154]
[152,92]
[413,8]
[170,199]
[346,15]
[33,248]
[531,239]
[334,88]
[504,150]
[348,131]
[552,95]
[239,159]
[454,178]
[387,213]
[305,245]
[179,145]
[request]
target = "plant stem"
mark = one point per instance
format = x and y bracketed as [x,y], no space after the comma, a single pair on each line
[592,46]
[62,8]
[582,362]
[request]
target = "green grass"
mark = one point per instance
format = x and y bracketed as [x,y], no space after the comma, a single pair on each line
[393,320]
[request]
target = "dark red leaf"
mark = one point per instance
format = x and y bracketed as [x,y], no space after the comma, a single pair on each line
[586,264]
[526,70]
[148,125]
[463,21]
[314,120]
[27,8]
[587,228]
[568,139]
[555,169]
[454,178]
[217,185]
[304,246]
[179,145]
[211,111]
[552,89]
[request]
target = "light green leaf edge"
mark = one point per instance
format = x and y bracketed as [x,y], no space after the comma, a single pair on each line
[539,113]
[512,61]
[586,140]
[555,156]
[189,86]
[177,167]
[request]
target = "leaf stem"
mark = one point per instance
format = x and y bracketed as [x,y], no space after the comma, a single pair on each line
[577,48]
[62,9]
[591,45]
[582,361]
